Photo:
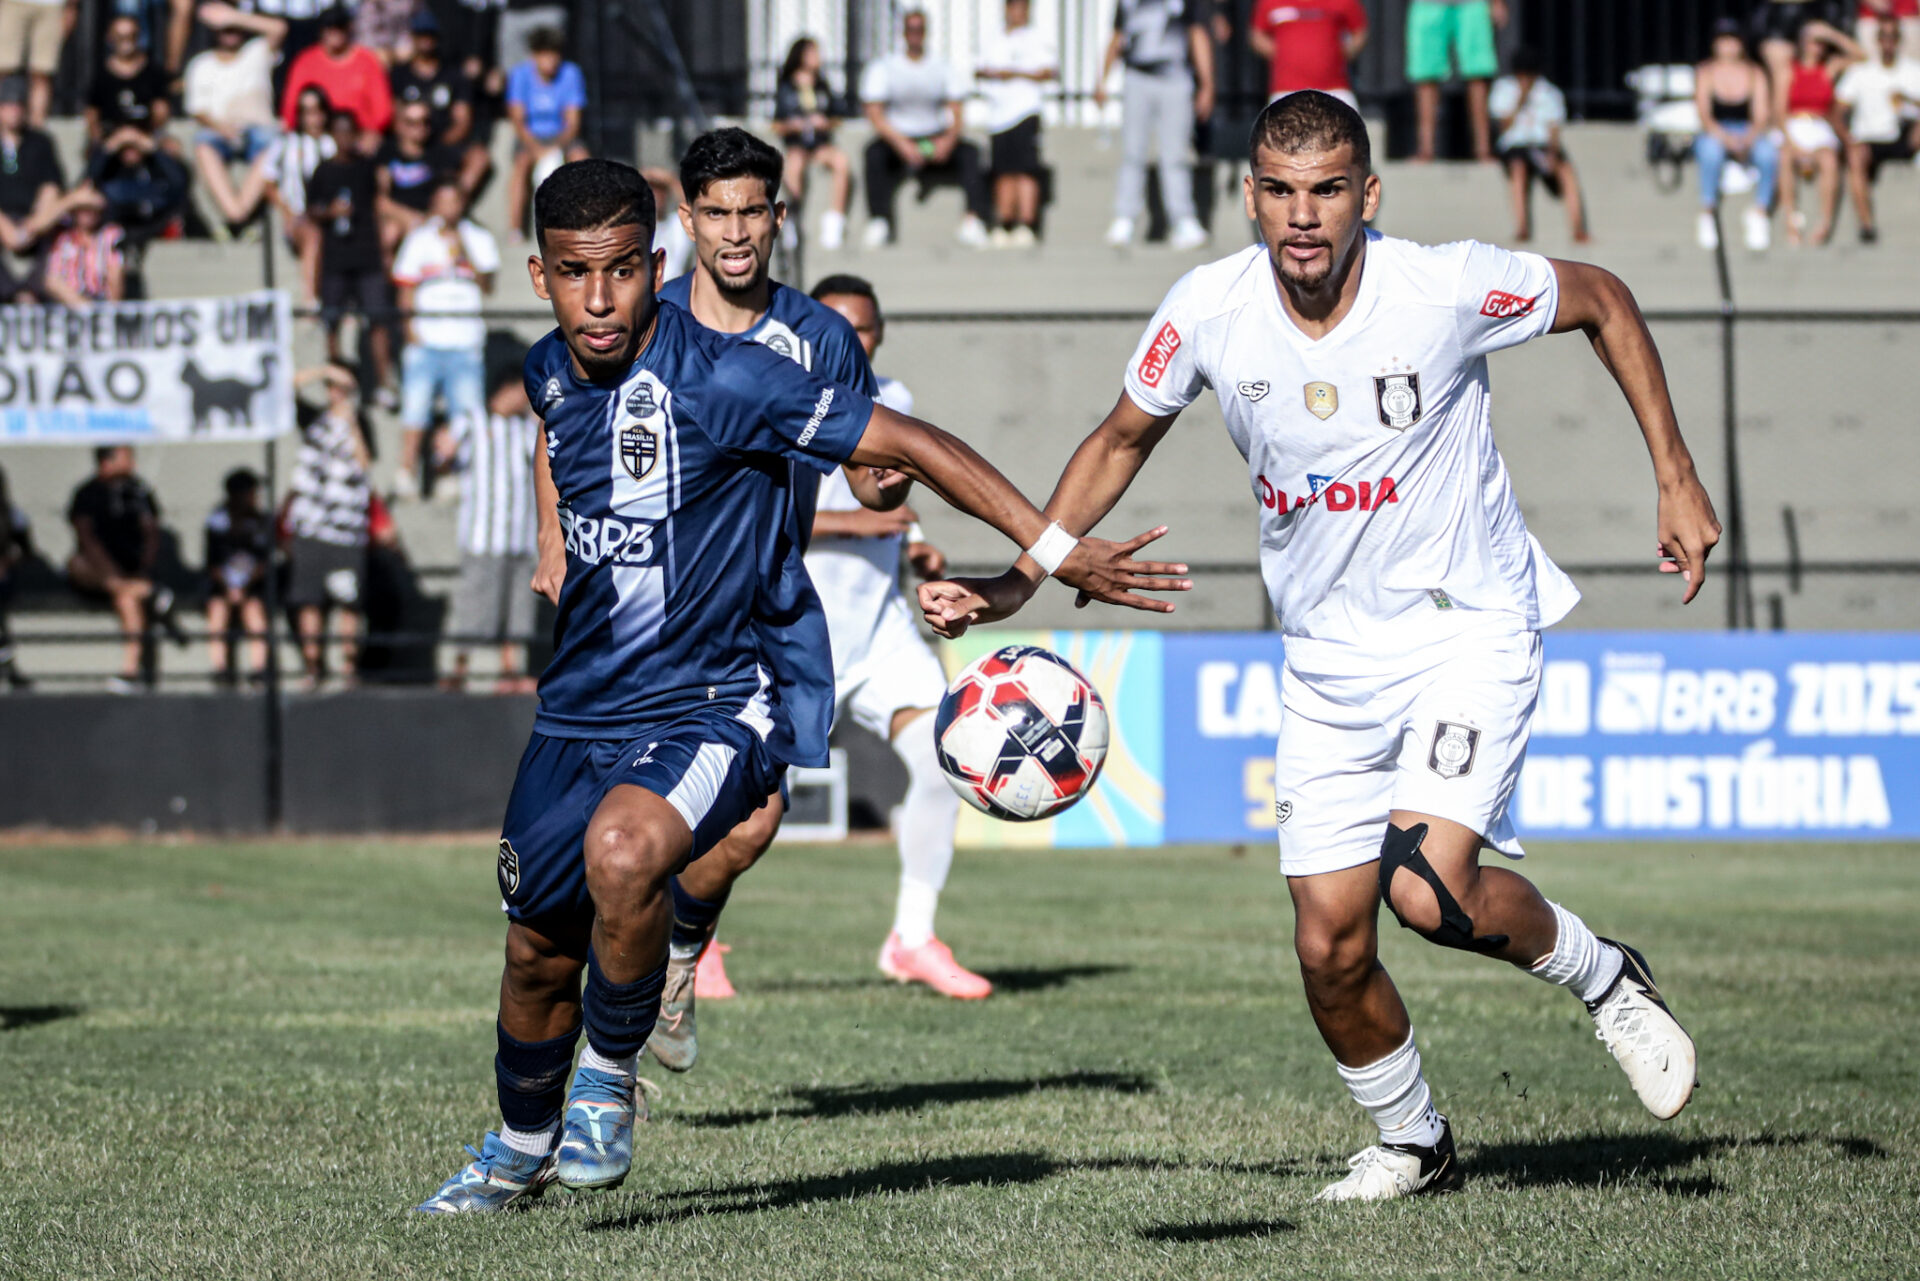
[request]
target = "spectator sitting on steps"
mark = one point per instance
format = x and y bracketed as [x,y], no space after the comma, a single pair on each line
[1882,98]
[128,87]
[1735,106]
[116,534]
[239,539]
[546,95]
[31,183]
[352,76]
[913,101]
[1528,111]
[229,94]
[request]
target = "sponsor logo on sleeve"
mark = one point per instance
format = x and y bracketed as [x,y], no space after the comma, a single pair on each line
[1501,305]
[1153,365]
[819,416]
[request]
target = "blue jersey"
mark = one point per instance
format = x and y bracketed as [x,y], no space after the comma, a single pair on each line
[819,339]
[684,586]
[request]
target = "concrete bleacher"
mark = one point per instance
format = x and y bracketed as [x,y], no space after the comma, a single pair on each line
[1825,411]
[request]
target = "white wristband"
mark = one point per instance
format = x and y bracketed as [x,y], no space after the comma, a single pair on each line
[1053,547]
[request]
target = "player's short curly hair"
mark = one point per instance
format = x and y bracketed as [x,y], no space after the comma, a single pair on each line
[588,195]
[1310,121]
[847,286]
[732,152]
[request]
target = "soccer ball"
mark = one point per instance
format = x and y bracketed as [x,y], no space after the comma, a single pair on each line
[1021,734]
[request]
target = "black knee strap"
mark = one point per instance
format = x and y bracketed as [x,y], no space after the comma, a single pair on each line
[1402,849]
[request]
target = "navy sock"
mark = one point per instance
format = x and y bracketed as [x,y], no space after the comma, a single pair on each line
[533,1080]
[693,918]
[620,1016]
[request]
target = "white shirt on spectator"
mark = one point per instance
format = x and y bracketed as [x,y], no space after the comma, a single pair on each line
[291,160]
[1025,49]
[446,292]
[915,92]
[1869,87]
[235,91]
[1534,117]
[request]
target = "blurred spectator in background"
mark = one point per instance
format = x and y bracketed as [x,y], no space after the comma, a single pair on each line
[444,269]
[145,188]
[30,188]
[545,96]
[1881,97]
[1443,34]
[239,546]
[913,101]
[128,87]
[116,535]
[1731,93]
[329,502]
[1528,111]
[469,41]
[16,546]
[229,94]
[165,28]
[353,78]
[1308,44]
[428,78]
[385,27]
[1902,15]
[1014,64]
[85,264]
[1814,127]
[1168,53]
[32,34]
[493,446]
[282,174]
[408,167]
[804,114]
[342,202]
[1778,26]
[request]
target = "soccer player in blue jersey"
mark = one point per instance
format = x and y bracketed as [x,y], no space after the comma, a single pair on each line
[691,663]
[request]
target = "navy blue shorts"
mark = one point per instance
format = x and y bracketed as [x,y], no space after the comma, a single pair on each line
[715,770]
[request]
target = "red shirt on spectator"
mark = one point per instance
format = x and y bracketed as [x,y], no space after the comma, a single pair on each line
[356,84]
[1901,9]
[1309,42]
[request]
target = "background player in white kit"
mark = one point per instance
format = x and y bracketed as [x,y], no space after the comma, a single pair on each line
[885,676]
[1351,371]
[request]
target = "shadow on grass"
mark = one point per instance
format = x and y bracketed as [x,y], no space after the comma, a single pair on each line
[1229,1230]
[829,1101]
[993,1169]
[19,1016]
[1601,1159]
[1039,978]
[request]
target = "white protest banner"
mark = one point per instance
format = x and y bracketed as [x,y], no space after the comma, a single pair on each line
[166,370]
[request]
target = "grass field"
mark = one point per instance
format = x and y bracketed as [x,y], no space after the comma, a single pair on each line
[244,1060]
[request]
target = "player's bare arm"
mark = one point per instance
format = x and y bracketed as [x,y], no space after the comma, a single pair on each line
[550,544]
[1105,571]
[1096,476]
[1598,304]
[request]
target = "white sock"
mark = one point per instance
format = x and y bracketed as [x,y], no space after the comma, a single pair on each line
[1579,962]
[927,817]
[1396,1096]
[627,1069]
[531,1144]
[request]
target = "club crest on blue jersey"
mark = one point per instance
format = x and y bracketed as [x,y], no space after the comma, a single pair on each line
[639,446]
[551,396]
[640,401]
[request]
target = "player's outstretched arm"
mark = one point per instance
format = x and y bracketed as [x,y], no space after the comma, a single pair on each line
[1598,304]
[1095,478]
[1103,570]
[550,569]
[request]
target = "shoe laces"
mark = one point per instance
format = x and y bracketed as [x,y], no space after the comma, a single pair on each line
[1623,1024]
[1367,1161]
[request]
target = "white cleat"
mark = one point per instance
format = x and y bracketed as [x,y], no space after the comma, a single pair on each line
[1387,1171]
[1638,1029]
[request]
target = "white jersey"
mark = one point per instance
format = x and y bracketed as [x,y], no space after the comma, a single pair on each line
[858,577]
[1386,516]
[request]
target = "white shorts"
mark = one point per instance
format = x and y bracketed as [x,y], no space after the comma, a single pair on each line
[895,670]
[1812,133]
[1443,734]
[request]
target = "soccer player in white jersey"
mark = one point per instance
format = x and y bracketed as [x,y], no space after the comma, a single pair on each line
[885,676]
[1351,370]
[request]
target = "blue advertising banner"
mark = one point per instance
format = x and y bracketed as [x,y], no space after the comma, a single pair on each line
[1675,735]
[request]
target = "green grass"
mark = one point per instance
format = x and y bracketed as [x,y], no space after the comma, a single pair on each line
[245,1060]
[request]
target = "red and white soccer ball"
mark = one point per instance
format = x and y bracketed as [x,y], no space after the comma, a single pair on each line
[1021,734]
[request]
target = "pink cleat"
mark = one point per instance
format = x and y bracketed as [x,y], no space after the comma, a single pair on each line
[932,963]
[710,975]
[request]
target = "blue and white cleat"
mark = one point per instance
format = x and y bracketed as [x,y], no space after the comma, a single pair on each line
[596,1132]
[496,1178]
